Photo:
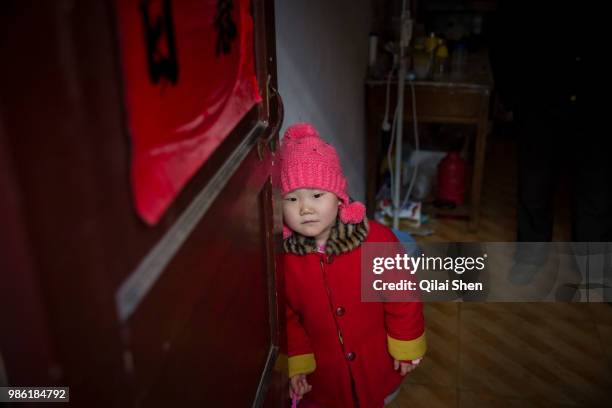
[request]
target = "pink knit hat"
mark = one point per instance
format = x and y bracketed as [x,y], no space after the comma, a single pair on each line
[307,161]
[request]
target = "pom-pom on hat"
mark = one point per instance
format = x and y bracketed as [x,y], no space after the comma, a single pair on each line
[307,161]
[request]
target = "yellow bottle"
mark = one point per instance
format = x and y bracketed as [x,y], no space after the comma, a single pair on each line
[442,50]
[431,43]
[441,61]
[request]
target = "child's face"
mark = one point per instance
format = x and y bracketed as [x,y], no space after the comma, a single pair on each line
[310,212]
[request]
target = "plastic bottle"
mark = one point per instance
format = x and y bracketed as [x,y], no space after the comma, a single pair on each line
[431,43]
[441,61]
[421,62]
[458,60]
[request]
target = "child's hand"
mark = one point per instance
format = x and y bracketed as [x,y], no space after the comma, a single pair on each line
[405,367]
[299,386]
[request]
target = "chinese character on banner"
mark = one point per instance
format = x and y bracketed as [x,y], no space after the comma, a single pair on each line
[189,77]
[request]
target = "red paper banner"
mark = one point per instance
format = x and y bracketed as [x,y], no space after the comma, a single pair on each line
[189,77]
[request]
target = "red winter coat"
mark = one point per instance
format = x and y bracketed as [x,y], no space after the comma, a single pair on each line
[345,345]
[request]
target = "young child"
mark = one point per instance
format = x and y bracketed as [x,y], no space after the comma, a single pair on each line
[342,352]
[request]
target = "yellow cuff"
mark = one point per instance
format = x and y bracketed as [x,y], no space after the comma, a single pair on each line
[281,364]
[302,364]
[407,349]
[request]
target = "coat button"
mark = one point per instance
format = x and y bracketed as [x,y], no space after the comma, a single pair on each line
[339,311]
[350,356]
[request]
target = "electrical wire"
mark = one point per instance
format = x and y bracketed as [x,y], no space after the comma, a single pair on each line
[416,144]
[390,149]
[387,96]
[394,127]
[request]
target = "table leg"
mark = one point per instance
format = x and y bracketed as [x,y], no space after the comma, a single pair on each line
[479,157]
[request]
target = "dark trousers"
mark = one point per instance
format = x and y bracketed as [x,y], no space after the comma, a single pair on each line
[552,141]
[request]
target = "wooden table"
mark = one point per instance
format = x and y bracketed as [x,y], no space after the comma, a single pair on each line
[450,99]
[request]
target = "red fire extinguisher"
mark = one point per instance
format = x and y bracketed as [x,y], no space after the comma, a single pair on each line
[452,172]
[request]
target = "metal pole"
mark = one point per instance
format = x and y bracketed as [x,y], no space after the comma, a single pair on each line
[405,34]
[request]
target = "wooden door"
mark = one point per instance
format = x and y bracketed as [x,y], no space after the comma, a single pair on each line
[178,314]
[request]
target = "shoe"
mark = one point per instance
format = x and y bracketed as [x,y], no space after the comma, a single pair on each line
[522,274]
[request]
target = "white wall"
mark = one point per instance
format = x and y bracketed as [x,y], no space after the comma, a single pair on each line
[322,54]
